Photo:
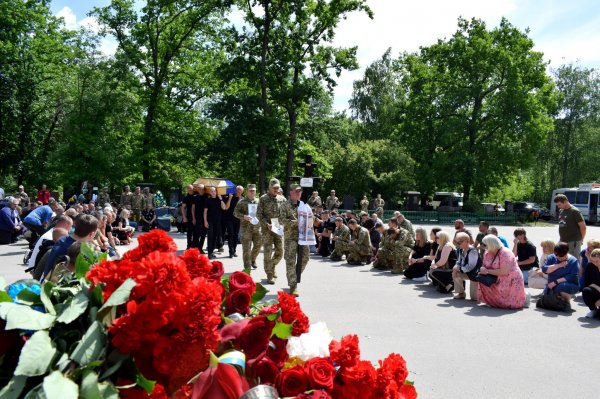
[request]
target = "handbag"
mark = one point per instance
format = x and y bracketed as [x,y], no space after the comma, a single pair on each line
[551,301]
[488,279]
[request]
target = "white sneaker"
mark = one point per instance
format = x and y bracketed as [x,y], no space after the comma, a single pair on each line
[420,279]
[591,314]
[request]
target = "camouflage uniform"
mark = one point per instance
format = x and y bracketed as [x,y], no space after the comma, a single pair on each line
[359,249]
[103,198]
[402,248]
[332,203]
[384,254]
[137,202]
[23,199]
[250,233]
[341,244]
[289,219]
[378,203]
[268,208]
[314,202]
[364,205]
[148,198]
[126,198]
[407,225]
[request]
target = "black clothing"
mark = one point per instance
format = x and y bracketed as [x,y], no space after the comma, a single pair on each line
[524,252]
[213,209]
[419,269]
[188,200]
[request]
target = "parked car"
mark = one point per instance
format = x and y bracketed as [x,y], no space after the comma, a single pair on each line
[490,207]
[532,210]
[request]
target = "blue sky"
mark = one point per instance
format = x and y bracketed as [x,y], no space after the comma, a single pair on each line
[565,31]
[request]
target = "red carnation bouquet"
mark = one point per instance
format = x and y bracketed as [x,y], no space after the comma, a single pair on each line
[156,324]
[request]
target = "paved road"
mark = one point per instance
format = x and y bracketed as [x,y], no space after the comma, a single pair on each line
[454,349]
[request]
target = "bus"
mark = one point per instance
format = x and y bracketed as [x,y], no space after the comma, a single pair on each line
[584,197]
[447,200]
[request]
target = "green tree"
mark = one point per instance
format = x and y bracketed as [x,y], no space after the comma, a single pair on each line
[474,106]
[169,44]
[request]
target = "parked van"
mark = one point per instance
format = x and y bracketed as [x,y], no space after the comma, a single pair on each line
[450,201]
[584,198]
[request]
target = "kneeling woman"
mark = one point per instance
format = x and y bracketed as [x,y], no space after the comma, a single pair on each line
[562,269]
[508,292]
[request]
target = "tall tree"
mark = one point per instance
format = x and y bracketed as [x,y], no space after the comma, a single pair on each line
[475,106]
[168,45]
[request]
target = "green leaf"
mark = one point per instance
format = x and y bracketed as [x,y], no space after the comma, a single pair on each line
[259,294]
[36,393]
[282,330]
[92,345]
[81,266]
[46,297]
[14,387]
[88,388]
[28,297]
[63,362]
[4,297]
[75,308]
[145,383]
[97,294]
[36,355]
[225,283]
[57,386]
[121,294]
[115,359]
[24,318]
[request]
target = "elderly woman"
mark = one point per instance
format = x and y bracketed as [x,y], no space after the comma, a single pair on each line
[509,291]
[591,289]
[468,261]
[562,269]
[445,258]
[418,264]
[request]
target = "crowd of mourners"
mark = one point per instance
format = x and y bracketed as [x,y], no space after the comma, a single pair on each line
[497,271]
[55,230]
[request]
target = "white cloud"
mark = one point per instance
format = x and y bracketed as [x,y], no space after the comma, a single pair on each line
[108,44]
[69,17]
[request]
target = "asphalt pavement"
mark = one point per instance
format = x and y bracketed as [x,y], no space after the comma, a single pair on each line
[453,348]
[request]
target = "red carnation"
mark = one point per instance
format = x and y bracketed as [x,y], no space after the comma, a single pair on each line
[254,338]
[408,391]
[238,302]
[320,373]
[393,368]
[355,382]
[314,395]
[156,240]
[241,281]
[292,381]
[197,265]
[292,314]
[345,353]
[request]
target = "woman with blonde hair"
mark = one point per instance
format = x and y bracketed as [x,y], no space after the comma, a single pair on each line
[508,292]
[584,259]
[445,258]
[537,278]
[418,264]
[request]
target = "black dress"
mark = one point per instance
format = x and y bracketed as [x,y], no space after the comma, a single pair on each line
[419,269]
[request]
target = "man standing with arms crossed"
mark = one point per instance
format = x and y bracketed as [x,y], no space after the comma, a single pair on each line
[268,208]
[294,253]
[245,210]
[571,226]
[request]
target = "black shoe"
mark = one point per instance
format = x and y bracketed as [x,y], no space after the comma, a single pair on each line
[211,256]
[235,255]
[231,255]
[254,266]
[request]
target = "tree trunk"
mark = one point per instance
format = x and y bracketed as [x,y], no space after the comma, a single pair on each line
[293,119]
[147,139]
[262,150]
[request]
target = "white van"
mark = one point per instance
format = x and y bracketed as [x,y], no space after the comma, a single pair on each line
[585,198]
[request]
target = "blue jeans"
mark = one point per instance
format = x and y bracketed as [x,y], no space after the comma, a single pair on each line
[525,276]
[568,288]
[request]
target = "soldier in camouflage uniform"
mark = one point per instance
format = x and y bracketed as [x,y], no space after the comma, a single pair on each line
[332,202]
[126,197]
[359,248]
[293,251]
[250,232]
[268,208]
[341,238]
[148,198]
[402,248]
[384,254]
[22,196]
[103,198]
[364,204]
[137,203]
[378,202]
[314,201]
[405,224]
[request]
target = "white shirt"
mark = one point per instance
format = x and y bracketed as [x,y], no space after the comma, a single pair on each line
[46,236]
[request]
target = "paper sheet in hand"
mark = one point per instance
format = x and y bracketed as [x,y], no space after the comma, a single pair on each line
[252,213]
[276,227]
[306,232]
